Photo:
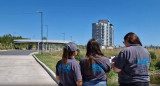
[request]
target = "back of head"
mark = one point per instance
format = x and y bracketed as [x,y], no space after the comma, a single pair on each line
[93,49]
[68,51]
[132,38]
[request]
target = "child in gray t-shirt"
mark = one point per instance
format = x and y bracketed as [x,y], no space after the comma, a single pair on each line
[68,70]
[94,66]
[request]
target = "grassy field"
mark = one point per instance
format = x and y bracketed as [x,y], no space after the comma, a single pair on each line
[157,52]
[51,58]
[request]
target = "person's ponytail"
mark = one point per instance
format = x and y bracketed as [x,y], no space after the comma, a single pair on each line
[65,55]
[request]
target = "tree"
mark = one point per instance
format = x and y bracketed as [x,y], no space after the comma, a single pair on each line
[44,38]
[7,41]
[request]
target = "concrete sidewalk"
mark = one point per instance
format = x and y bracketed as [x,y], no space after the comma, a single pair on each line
[23,71]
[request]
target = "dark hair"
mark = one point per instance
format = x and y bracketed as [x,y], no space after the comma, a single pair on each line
[66,54]
[132,38]
[93,50]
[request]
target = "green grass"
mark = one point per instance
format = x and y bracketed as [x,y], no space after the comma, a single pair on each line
[112,83]
[112,78]
[48,60]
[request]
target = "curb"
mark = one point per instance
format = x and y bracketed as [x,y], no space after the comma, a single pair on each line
[49,71]
[33,54]
[3,50]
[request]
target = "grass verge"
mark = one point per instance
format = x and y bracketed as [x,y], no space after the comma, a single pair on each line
[48,60]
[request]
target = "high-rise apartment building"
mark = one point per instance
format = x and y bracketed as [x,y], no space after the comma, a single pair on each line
[103,32]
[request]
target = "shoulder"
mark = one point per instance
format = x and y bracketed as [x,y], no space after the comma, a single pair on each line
[59,62]
[74,64]
[133,48]
[72,61]
[146,50]
[105,59]
[125,49]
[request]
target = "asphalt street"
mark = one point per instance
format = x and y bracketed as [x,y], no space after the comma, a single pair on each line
[17,52]
[19,68]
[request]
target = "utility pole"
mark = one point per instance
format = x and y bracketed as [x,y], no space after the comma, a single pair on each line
[41,13]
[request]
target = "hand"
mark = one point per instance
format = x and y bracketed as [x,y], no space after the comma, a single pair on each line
[112,64]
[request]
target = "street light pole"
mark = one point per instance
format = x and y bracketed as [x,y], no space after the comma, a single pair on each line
[71,38]
[46,37]
[64,36]
[41,13]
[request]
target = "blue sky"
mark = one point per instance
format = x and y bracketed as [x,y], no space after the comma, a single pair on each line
[75,18]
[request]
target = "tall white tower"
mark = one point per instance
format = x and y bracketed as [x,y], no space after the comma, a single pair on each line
[103,32]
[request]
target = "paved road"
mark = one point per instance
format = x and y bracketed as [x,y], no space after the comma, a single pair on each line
[22,70]
[17,52]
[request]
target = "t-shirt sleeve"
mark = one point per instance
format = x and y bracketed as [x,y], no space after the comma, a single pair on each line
[120,61]
[77,72]
[57,72]
[108,66]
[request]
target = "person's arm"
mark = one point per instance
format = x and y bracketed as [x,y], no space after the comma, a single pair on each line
[115,68]
[57,78]
[119,62]
[57,73]
[79,83]
[77,74]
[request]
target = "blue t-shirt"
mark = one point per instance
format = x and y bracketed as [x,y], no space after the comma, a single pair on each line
[134,64]
[98,73]
[70,73]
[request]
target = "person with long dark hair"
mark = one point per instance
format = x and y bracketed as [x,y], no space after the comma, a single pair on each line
[132,63]
[95,66]
[68,70]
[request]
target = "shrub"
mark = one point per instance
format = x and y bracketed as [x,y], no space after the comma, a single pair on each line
[152,65]
[112,74]
[112,78]
[158,64]
[153,55]
[79,55]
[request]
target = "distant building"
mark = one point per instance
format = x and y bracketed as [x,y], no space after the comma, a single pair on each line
[103,32]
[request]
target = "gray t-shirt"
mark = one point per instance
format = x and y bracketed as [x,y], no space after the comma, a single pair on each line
[70,73]
[99,73]
[134,64]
